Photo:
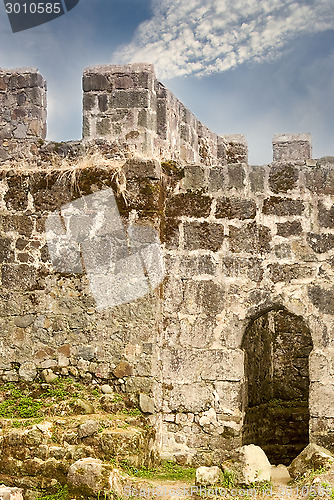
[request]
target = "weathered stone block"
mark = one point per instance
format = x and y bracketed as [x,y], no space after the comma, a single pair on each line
[102,100]
[204,235]
[289,272]
[282,177]
[282,206]
[236,148]
[194,365]
[89,101]
[6,253]
[320,243]
[190,397]
[142,169]
[19,276]
[250,238]
[256,179]
[130,99]
[249,464]
[196,265]
[229,396]
[322,366]
[123,369]
[320,180]
[322,298]
[23,224]
[8,493]
[28,371]
[313,457]
[206,476]
[16,197]
[235,208]
[236,176]
[95,81]
[235,267]
[326,216]
[322,400]
[188,204]
[205,296]
[194,178]
[103,127]
[286,229]
[146,403]
[290,147]
[216,178]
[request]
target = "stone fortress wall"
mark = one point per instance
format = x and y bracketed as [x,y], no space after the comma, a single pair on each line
[249,255]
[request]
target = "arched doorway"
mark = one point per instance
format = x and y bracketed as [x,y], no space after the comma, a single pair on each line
[277,345]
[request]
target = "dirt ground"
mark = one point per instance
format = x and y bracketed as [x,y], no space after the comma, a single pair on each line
[281,489]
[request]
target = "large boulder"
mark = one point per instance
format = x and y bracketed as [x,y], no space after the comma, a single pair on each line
[248,464]
[312,457]
[207,476]
[7,493]
[91,477]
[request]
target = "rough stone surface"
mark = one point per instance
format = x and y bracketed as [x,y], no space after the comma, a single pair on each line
[88,477]
[311,458]
[89,428]
[28,371]
[249,464]
[7,493]
[146,403]
[206,476]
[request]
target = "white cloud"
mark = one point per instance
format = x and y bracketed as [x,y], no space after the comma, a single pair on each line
[206,36]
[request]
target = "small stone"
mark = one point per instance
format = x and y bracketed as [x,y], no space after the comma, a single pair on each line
[106,389]
[48,363]
[49,376]
[88,428]
[146,403]
[311,458]
[28,371]
[23,321]
[123,369]
[72,370]
[89,476]
[102,370]
[63,361]
[10,376]
[8,493]
[207,476]
[84,407]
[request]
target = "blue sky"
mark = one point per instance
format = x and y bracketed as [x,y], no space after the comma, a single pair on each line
[241,66]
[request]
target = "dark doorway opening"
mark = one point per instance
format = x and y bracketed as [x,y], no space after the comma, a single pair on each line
[277,345]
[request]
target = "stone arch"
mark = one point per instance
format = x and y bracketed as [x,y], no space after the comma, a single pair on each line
[277,344]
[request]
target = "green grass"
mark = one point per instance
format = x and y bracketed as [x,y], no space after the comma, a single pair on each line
[330,490]
[166,471]
[310,475]
[32,401]
[61,494]
[134,412]
[228,478]
[20,405]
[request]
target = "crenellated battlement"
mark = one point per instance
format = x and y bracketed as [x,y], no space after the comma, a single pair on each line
[128,105]
[23,104]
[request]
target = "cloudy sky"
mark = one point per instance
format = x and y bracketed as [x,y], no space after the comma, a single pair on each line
[241,66]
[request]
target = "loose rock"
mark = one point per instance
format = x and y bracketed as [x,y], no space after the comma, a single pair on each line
[312,457]
[206,476]
[88,428]
[249,464]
